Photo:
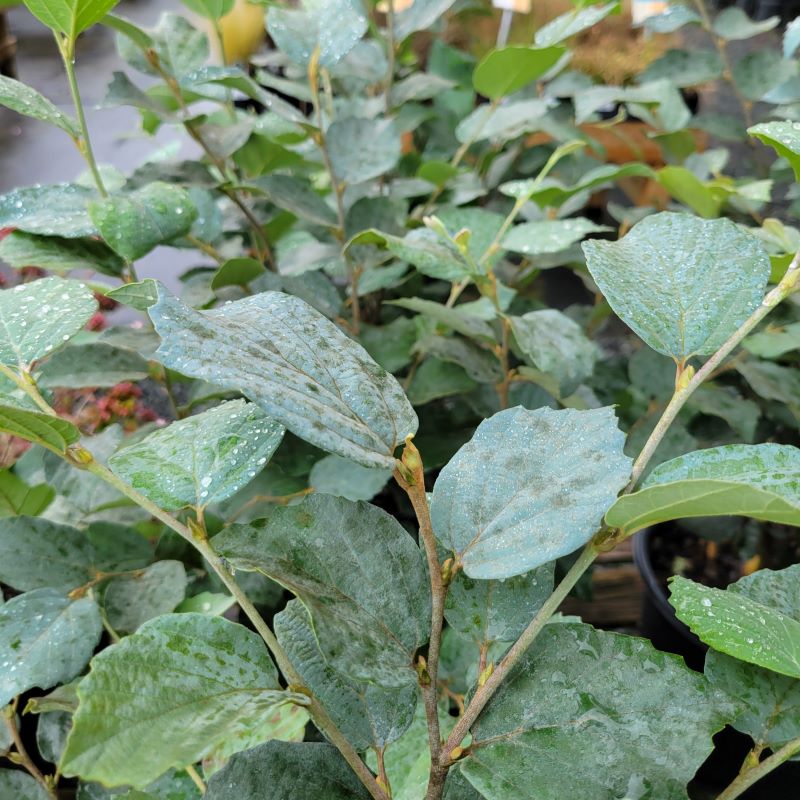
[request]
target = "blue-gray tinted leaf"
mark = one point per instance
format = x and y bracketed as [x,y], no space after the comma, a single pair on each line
[683,284]
[529,487]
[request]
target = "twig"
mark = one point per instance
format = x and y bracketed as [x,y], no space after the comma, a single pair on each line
[9,716]
[746,779]
[196,779]
[410,475]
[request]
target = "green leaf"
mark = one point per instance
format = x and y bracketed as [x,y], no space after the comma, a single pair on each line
[435,379]
[182,688]
[681,283]
[733,623]
[335,26]
[53,253]
[727,404]
[553,343]
[686,187]
[27,101]
[672,19]
[52,728]
[774,341]
[38,553]
[507,70]
[296,196]
[45,639]
[361,149]
[210,9]
[732,23]
[791,38]
[131,600]
[572,22]
[529,486]
[89,365]
[772,381]
[17,498]
[139,295]
[237,272]
[203,459]
[61,209]
[291,770]
[368,715]
[593,714]
[212,603]
[297,366]
[454,318]
[20,786]
[760,71]
[496,611]
[783,138]
[685,67]
[43,429]
[759,481]
[768,703]
[344,478]
[420,15]
[180,47]
[69,17]
[38,317]
[135,223]
[359,574]
[549,236]
[509,121]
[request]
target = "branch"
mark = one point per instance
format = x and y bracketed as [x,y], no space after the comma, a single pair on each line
[746,779]
[9,713]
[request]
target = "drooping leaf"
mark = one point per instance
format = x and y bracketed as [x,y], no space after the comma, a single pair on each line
[529,486]
[344,478]
[555,344]
[37,318]
[768,703]
[727,404]
[27,101]
[368,715]
[17,498]
[774,341]
[297,366]
[732,23]
[45,639]
[549,236]
[90,365]
[783,137]
[760,630]
[295,196]
[572,22]
[291,770]
[182,686]
[52,728]
[685,67]
[681,283]
[131,600]
[594,714]
[202,459]
[56,254]
[70,17]
[507,122]
[361,149]
[507,70]
[496,611]
[760,481]
[20,786]
[335,26]
[456,318]
[133,224]
[60,209]
[359,574]
[50,432]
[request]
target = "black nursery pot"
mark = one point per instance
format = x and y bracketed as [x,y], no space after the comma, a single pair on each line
[658,621]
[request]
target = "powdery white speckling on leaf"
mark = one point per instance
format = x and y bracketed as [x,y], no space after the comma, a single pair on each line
[529,487]
[296,365]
